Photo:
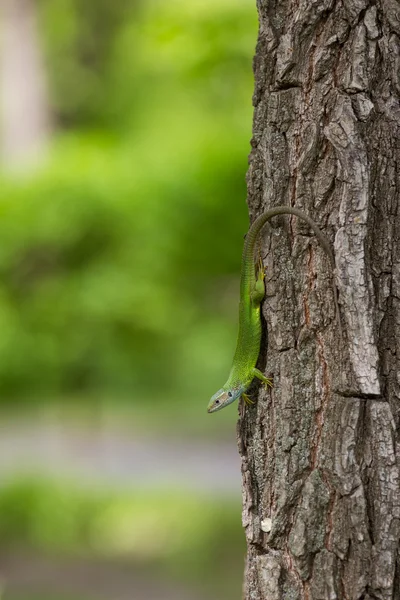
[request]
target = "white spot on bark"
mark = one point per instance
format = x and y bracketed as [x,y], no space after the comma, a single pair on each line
[266,525]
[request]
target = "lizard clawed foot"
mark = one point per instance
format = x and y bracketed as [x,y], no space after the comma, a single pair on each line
[248,400]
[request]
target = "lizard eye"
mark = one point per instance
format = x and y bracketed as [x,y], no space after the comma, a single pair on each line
[217,402]
[230,394]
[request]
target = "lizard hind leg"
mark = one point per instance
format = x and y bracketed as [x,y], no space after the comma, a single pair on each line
[261,268]
[258,292]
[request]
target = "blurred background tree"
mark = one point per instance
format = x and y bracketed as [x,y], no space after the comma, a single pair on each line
[24,111]
[119,264]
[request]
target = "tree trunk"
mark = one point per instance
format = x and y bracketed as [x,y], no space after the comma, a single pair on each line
[320,451]
[24,108]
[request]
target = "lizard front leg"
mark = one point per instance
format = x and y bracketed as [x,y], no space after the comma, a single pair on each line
[261,377]
[247,399]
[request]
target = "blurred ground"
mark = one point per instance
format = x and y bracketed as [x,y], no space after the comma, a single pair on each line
[110,458]
[45,577]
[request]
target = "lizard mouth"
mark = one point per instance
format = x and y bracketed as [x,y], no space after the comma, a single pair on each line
[214,407]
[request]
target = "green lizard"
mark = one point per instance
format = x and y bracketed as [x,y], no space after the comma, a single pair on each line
[252,291]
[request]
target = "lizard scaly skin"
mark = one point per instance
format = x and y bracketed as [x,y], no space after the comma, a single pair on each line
[252,292]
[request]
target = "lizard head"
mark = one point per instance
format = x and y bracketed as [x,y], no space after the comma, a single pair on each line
[223,397]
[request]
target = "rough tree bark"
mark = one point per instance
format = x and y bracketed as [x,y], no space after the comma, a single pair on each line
[320,451]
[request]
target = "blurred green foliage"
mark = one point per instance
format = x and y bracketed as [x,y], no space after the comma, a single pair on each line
[119,263]
[119,259]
